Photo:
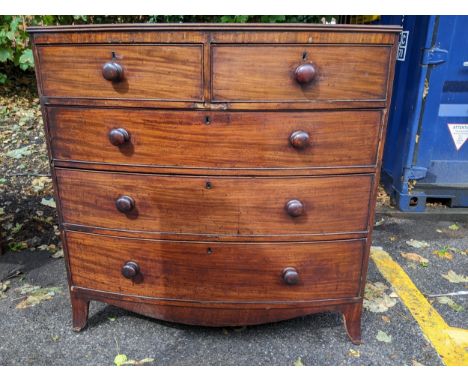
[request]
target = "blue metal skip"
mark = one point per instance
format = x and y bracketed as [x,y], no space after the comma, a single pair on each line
[426,154]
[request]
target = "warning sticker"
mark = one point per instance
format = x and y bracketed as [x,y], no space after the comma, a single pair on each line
[459,134]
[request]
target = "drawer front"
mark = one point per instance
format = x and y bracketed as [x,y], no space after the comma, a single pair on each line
[207,271]
[268,73]
[209,140]
[244,206]
[166,72]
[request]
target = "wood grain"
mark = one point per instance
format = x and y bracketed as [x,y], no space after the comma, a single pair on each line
[259,72]
[215,205]
[216,140]
[203,114]
[235,272]
[169,72]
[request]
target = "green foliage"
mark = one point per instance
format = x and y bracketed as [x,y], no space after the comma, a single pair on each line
[14,40]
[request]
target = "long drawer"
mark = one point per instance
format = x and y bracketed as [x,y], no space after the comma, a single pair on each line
[162,72]
[268,73]
[208,271]
[215,140]
[234,206]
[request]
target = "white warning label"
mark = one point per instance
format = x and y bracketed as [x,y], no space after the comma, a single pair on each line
[459,134]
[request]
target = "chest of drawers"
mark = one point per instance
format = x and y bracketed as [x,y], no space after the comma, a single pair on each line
[217,175]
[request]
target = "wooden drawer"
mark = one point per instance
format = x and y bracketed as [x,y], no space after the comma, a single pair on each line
[165,72]
[216,140]
[267,73]
[209,271]
[233,206]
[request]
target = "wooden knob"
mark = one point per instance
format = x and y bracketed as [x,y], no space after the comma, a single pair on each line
[112,71]
[305,73]
[290,276]
[295,208]
[125,204]
[299,139]
[130,269]
[119,136]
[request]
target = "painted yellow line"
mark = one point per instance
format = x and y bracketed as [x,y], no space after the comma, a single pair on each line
[451,343]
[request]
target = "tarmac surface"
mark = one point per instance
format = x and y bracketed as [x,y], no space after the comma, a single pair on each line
[42,335]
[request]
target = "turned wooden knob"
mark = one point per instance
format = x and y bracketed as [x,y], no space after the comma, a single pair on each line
[290,276]
[295,208]
[112,71]
[299,139]
[130,269]
[125,204]
[305,73]
[119,136]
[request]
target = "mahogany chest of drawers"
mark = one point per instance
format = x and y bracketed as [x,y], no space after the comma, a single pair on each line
[217,175]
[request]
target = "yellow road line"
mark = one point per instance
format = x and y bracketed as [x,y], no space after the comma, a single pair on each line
[451,343]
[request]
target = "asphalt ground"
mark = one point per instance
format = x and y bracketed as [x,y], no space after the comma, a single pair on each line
[42,335]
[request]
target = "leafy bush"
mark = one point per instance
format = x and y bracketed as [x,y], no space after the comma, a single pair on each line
[14,41]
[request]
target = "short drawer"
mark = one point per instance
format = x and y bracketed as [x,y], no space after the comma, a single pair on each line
[164,72]
[233,206]
[215,140]
[292,73]
[208,271]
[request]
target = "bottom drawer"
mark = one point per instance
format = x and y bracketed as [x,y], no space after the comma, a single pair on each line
[214,271]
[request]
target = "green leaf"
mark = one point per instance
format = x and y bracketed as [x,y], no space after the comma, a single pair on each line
[454,227]
[3,78]
[16,228]
[6,54]
[26,60]
[383,337]
[120,359]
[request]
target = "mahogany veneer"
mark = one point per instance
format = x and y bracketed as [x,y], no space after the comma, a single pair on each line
[216,175]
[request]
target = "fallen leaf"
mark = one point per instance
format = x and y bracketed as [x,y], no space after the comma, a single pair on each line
[439,230]
[392,238]
[39,183]
[417,243]
[120,359]
[36,295]
[443,253]
[48,202]
[298,362]
[16,228]
[416,363]
[386,319]
[380,222]
[19,153]
[375,298]
[55,338]
[2,211]
[454,278]
[57,255]
[27,288]
[4,286]
[111,319]
[415,257]
[383,337]
[452,304]
[354,353]
[454,227]
[132,362]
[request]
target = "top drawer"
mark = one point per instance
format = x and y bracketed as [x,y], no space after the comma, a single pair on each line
[328,73]
[161,72]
